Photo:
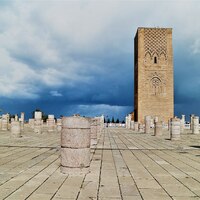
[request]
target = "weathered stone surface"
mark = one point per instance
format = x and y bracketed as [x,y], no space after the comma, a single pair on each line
[75,138]
[153,76]
[128,121]
[158,129]
[15,129]
[75,157]
[175,129]
[136,126]
[59,125]
[191,121]
[132,125]
[141,128]
[147,124]
[75,122]
[195,125]
[4,123]
[156,119]
[38,115]
[31,123]
[51,123]
[75,143]
[182,123]
[94,129]
[38,126]
[16,117]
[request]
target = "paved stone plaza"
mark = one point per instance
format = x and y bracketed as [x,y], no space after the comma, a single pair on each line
[125,165]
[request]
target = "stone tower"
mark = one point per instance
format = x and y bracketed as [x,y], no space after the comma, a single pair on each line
[153,74]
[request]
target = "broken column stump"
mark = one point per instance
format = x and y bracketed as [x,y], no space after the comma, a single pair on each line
[75,145]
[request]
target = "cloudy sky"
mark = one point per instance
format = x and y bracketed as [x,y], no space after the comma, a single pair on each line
[67,57]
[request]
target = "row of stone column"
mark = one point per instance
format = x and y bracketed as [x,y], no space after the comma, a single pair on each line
[37,123]
[77,136]
[16,126]
[176,126]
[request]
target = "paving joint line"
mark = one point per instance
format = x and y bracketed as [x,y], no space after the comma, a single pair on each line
[172,174]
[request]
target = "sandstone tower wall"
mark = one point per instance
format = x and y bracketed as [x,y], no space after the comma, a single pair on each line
[153,74]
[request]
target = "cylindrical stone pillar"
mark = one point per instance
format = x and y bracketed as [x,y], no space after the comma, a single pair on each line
[31,123]
[132,125]
[147,124]
[136,126]
[16,117]
[155,119]
[99,126]
[22,120]
[38,122]
[15,129]
[158,129]
[75,145]
[140,127]
[59,125]
[102,123]
[4,123]
[51,123]
[93,135]
[38,126]
[129,121]
[182,126]
[195,127]
[191,121]
[169,124]
[38,115]
[175,129]
[126,121]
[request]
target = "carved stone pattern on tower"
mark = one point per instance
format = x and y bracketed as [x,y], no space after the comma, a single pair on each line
[156,84]
[155,44]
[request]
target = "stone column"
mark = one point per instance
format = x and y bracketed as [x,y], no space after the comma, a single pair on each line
[155,119]
[126,121]
[21,119]
[191,121]
[182,123]
[38,122]
[136,126]
[102,122]
[195,127]
[59,125]
[158,128]
[132,125]
[147,124]
[140,127]
[175,129]
[93,135]
[16,117]
[169,124]
[4,123]
[75,145]
[31,123]
[15,129]
[51,123]
[129,121]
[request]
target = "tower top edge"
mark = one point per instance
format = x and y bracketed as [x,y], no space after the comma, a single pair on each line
[139,28]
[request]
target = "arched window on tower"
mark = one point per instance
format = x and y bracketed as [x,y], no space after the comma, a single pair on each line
[155,60]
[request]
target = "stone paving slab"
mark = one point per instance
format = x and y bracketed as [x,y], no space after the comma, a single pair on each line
[124,165]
